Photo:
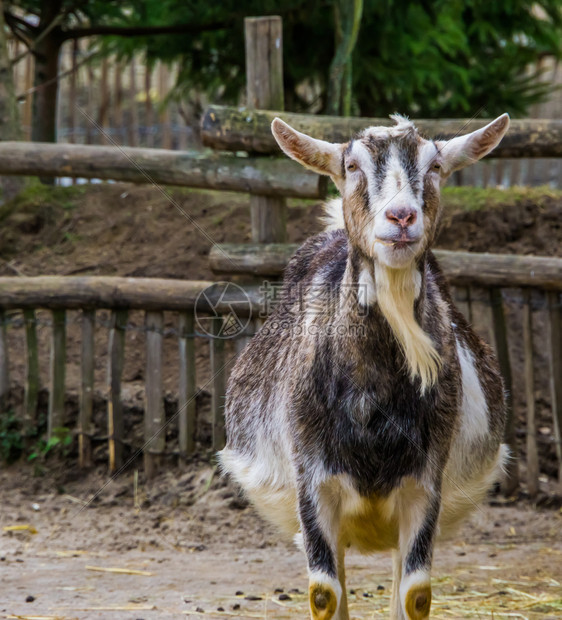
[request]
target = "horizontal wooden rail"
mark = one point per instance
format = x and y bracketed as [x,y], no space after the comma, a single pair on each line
[78,292]
[462,268]
[235,129]
[256,175]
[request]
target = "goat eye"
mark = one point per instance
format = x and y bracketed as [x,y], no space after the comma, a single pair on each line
[351,167]
[436,167]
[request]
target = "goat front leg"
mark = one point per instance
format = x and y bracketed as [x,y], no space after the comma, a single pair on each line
[418,523]
[319,518]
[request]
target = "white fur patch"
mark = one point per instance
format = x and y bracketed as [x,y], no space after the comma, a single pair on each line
[419,578]
[333,215]
[318,577]
[366,292]
[474,408]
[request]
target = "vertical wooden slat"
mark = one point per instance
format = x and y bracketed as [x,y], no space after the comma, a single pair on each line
[188,385]
[555,332]
[31,390]
[165,113]
[57,372]
[116,357]
[4,363]
[28,105]
[105,101]
[511,481]
[532,454]
[218,374]
[134,120]
[264,90]
[149,120]
[86,389]
[91,104]
[72,112]
[462,301]
[117,106]
[154,431]
[481,313]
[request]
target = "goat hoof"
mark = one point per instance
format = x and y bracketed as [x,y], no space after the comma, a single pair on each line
[323,601]
[418,602]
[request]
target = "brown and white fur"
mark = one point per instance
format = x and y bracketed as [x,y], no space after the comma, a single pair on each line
[377,421]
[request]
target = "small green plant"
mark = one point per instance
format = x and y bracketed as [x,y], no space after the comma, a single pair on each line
[11,444]
[59,441]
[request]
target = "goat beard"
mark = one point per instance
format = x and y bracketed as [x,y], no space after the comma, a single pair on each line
[396,291]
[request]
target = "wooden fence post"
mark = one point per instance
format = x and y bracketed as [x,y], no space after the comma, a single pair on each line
[154,431]
[86,389]
[115,360]
[511,481]
[188,384]
[532,454]
[57,374]
[555,318]
[218,374]
[264,90]
[4,363]
[31,391]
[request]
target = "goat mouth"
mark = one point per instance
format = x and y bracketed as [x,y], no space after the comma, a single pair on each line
[397,243]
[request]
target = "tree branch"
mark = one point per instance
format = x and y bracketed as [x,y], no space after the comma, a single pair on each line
[12,20]
[139,31]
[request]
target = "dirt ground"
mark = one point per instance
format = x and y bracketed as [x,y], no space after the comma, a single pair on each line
[194,541]
[188,546]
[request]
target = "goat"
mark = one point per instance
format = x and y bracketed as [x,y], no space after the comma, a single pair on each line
[382,438]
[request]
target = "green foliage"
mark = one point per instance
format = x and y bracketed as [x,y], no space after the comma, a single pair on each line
[431,58]
[427,59]
[59,442]
[11,443]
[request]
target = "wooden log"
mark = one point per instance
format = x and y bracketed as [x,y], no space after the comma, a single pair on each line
[57,373]
[77,292]
[188,385]
[555,332]
[461,268]
[264,89]
[532,453]
[218,379]
[32,384]
[154,419]
[4,363]
[258,175]
[115,361]
[511,481]
[240,129]
[86,389]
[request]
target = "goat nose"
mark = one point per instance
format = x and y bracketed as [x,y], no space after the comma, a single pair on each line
[403,216]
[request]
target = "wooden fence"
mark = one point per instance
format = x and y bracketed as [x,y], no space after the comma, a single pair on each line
[120,296]
[24,296]
[105,100]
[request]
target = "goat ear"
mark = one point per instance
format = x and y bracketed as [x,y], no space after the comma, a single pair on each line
[318,155]
[465,150]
